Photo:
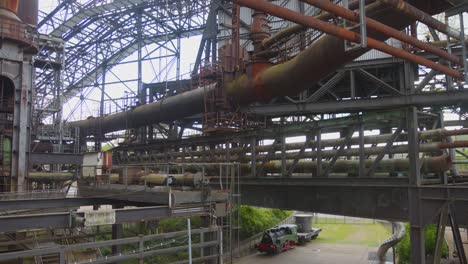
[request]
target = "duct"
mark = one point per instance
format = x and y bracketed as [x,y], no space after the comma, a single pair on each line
[295,29]
[51,176]
[421,16]
[379,27]
[28,11]
[400,232]
[167,109]
[11,5]
[438,134]
[186,179]
[428,165]
[289,78]
[399,149]
[307,68]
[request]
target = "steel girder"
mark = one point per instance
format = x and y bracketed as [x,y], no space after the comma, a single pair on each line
[104,34]
[370,198]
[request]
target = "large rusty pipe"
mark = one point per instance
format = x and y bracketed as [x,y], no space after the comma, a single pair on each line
[307,68]
[399,149]
[280,78]
[428,165]
[414,13]
[288,78]
[295,29]
[429,135]
[28,11]
[377,26]
[11,5]
[168,109]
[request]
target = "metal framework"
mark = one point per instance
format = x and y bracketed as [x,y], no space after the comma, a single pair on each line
[415,89]
[160,26]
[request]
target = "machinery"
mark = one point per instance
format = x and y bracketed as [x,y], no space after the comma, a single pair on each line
[279,238]
[284,237]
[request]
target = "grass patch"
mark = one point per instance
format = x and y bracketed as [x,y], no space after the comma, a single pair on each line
[369,234]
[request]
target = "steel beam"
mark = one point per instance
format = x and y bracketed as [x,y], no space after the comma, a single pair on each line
[358,105]
[67,219]
[386,198]
[55,158]
[50,203]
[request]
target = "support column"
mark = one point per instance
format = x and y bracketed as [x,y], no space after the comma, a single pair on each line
[22,127]
[352,79]
[319,153]
[418,254]
[362,156]
[283,157]
[117,232]
[254,157]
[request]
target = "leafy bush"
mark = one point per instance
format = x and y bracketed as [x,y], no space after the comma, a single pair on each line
[403,248]
[254,220]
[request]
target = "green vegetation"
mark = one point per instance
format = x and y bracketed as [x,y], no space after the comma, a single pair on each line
[403,249]
[106,147]
[368,234]
[164,226]
[254,220]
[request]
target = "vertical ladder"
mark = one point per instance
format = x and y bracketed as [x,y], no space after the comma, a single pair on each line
[350,46]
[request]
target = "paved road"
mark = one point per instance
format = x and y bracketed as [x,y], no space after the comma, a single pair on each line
[314,253]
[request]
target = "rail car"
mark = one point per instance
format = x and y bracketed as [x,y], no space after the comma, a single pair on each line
[279,238]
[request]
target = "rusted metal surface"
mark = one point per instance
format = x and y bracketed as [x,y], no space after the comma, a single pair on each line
[375,25]
[308,68]
[171,108]
[263,82]
[295,29]
[428,165]
[428,135]
[414,13]
[12,28]
[11,5]
[259,30]
[324,153]
[28,11]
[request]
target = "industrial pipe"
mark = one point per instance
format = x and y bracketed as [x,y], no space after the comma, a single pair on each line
[399,149]
[11,5]
[288,78]
[428,165]
[377,26]
[167,109]
[186,179]
[281,78]
[51,176]
[295,29]
[28,11]
[426,135]
[414,13]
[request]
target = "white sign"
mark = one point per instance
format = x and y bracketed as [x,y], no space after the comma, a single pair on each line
[99,217]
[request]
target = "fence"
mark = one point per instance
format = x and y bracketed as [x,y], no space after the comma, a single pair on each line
[334,219]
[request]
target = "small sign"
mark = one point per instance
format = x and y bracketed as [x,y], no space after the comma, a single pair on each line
[99,217]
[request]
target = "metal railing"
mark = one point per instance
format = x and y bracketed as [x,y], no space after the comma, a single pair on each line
[35,194]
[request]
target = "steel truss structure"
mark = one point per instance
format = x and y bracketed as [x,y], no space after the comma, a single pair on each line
[100,35]
[414,98]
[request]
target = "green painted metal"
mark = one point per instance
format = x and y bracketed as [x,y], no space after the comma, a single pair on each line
[6,149]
